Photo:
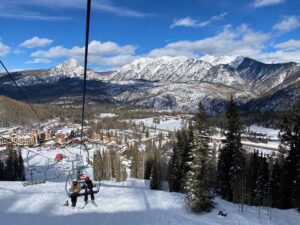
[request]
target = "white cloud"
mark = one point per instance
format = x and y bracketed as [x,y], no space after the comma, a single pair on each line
[36,42]
[280,56]
[113,62]
[32,16]
[4,49]
[240,41]
[290,44]
[189,22]
[109,7]
[262,3]
[100,5]
[287,24]
[100,53]
[39,61]
[184,22]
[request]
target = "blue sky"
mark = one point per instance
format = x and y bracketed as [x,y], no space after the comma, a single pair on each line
[42,33]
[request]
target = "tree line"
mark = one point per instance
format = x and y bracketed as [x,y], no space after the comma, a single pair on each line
[235,175]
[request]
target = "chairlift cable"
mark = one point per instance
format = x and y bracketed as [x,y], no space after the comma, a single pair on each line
[22,93]
[88,15]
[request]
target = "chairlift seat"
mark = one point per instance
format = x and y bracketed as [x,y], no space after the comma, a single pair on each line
[34,182]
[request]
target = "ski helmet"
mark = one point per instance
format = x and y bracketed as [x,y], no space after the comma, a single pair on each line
[87,178]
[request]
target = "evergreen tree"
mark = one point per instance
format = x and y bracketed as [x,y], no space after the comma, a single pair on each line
[150,146]
[147,133]
[252,176]
[290,139]
[148,167]
[155,179]
[20,170]
[2,172]
[230,173]
[199,183]
[136,165]
[178,165]
[276,186]
[262,183]
[9,165]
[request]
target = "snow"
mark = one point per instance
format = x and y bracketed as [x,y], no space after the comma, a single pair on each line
[233,61]
[70,68]
[3,130]
[65,130]
[107,115]
[271,133]
[170,124]
[163,68]
[126,203]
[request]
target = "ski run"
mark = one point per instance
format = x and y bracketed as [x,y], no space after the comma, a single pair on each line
[125,203]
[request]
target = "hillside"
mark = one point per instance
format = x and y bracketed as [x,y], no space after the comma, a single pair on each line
[14,112]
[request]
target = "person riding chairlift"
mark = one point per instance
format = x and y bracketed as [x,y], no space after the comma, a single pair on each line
[88,189]
[74,190]
[80,175]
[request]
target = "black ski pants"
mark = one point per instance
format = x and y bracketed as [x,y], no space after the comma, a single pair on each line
[74,199]
[87,192]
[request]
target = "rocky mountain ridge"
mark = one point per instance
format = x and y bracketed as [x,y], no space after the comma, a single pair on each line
[177,83]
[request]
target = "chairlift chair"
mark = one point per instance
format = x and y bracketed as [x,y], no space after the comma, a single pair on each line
[80,174]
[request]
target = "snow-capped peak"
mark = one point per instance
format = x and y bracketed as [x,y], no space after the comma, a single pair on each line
[164,68]
[70,68]
[233,61]
[141,63]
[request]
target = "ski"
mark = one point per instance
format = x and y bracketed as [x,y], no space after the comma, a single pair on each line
[85,204]
[94,203]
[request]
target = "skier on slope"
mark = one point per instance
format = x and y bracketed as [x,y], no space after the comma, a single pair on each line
[88,189]
[74,192]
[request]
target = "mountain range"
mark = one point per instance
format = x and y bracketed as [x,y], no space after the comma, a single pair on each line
[176,83]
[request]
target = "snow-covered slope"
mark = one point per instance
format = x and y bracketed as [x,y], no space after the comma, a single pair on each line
[184,96]
[67,69]
[127,203]
[70,68]
[181,69]
[233,61]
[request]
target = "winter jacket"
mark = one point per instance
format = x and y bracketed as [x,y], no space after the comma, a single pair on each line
[88,184]
[75,189]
